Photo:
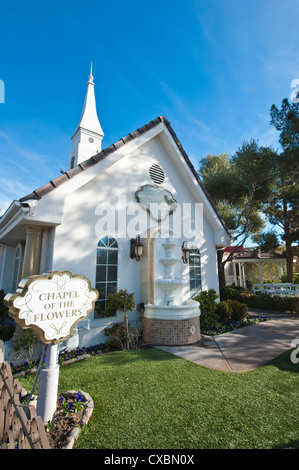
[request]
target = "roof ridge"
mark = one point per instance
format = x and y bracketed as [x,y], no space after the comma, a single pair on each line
[56,182]
[59,180]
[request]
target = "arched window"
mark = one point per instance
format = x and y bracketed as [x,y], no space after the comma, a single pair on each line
[194,272]
[16,270]
[106,272]
[72,162]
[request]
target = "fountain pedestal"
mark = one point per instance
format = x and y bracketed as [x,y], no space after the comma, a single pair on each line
[169,319]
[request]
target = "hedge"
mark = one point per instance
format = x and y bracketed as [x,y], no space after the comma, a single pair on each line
[261,301]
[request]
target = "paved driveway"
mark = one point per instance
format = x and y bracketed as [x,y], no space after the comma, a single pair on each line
[244,349]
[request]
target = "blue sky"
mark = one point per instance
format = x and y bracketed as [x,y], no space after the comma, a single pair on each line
[212,68]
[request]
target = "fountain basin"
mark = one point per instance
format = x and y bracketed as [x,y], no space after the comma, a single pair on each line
[170,284]
[169,260]
[172,325]
[189,309]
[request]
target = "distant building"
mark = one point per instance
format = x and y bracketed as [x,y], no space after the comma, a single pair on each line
[252,266]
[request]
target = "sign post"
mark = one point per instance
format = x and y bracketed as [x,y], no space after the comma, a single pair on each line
[51,305]
[48,385]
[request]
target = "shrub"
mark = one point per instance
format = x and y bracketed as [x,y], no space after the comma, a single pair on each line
[239,310]
[122,338]
[246,298]
[262,301]
[25,344]
[7,325]
[292,304]
[121,300]
[286,303]
[208,307]
[224,311]
[268,302]
[231,292]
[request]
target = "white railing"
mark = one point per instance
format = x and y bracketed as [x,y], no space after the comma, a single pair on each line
[283,289]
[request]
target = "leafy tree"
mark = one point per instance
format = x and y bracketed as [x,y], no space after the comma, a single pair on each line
[240,186]
[124,301]
[259,180]
[286,120]
[283,207]
[267,241]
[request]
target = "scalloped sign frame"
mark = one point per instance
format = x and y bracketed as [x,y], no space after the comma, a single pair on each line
[157,201]
[52,304]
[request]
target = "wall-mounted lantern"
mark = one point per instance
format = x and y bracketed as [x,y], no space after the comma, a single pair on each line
[185,252]
[136,248]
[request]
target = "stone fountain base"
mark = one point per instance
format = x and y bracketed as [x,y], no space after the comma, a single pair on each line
[171,332]
[169,319]
[172,325]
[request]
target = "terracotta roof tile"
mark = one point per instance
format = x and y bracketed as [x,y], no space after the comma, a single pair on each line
[118,144]
[135,134]
[99,156]
[109,150]
[127,138]
[143,129]
[43,190]
[88,163]
[60,180]
[73,171]
[150,125]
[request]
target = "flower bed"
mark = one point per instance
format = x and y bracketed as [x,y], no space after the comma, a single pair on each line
[73,410]
[231,325]
[65,357]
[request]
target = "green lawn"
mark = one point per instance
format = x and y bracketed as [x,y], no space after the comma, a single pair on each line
[149,399]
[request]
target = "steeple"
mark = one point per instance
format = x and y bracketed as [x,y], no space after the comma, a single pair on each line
[87,139]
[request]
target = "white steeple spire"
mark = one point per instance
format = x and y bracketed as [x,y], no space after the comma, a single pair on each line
[87,139]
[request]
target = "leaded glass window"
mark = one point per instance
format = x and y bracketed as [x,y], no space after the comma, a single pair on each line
[194,272]
[106,272]
[16,270]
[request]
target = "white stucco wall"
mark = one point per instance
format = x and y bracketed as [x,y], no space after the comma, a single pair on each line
[76,239]
[7,260]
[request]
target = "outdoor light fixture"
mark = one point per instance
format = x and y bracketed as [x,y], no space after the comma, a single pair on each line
[136,248]
[185,252]
[140,308]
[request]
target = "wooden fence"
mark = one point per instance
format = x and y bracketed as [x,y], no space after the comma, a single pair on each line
[20,428]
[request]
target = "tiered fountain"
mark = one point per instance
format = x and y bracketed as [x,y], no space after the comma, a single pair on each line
[168,318]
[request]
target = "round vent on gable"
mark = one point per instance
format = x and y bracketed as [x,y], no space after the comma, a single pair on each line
[156,173]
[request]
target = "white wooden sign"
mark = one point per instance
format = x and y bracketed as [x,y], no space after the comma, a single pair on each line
[52,304]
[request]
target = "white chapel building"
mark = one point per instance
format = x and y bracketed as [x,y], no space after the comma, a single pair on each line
[126,216]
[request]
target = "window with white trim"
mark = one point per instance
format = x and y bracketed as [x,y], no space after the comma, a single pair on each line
[106,272]
[16,270]
[194,272]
